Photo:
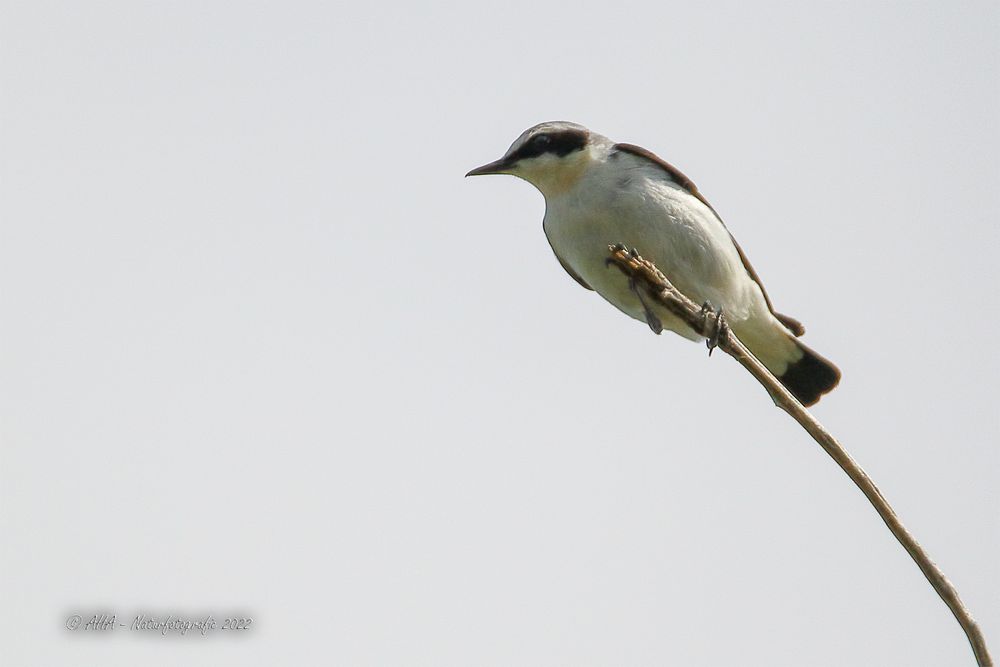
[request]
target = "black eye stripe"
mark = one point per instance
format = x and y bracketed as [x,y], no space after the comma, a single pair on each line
[559,143]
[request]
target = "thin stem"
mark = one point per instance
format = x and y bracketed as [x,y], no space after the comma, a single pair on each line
[659,288]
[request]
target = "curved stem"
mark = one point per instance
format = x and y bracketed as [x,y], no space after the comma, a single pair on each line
[646,275]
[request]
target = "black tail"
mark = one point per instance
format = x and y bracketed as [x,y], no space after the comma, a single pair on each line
[810,377]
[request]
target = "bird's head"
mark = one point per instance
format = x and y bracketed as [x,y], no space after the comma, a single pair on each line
[551,156]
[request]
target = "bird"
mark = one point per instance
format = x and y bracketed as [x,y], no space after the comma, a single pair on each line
[600,193]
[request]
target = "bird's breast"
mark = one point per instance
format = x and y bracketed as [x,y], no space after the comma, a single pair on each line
[678,233]
[580,228]
[580,232]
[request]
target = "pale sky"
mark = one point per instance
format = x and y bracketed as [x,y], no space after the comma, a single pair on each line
[265,352]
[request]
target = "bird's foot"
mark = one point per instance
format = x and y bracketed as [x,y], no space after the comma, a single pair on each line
[618,247]
[655,325]
[715,326]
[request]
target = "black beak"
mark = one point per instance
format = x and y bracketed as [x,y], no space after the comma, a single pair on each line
[495,167]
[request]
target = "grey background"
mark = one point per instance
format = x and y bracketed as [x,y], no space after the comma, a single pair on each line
[265,350]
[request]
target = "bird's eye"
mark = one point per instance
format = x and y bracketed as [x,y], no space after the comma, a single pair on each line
[542,140]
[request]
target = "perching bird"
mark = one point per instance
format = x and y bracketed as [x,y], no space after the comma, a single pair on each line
[599,193]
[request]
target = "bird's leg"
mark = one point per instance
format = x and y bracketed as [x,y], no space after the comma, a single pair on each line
[655,325]
[715,326]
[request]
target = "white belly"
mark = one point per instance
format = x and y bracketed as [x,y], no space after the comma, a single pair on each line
[672,229]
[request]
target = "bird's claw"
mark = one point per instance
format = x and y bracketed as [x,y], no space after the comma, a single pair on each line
[618,247]
[714,326]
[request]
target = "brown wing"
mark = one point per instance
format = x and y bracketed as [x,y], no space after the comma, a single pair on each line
[680,179]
